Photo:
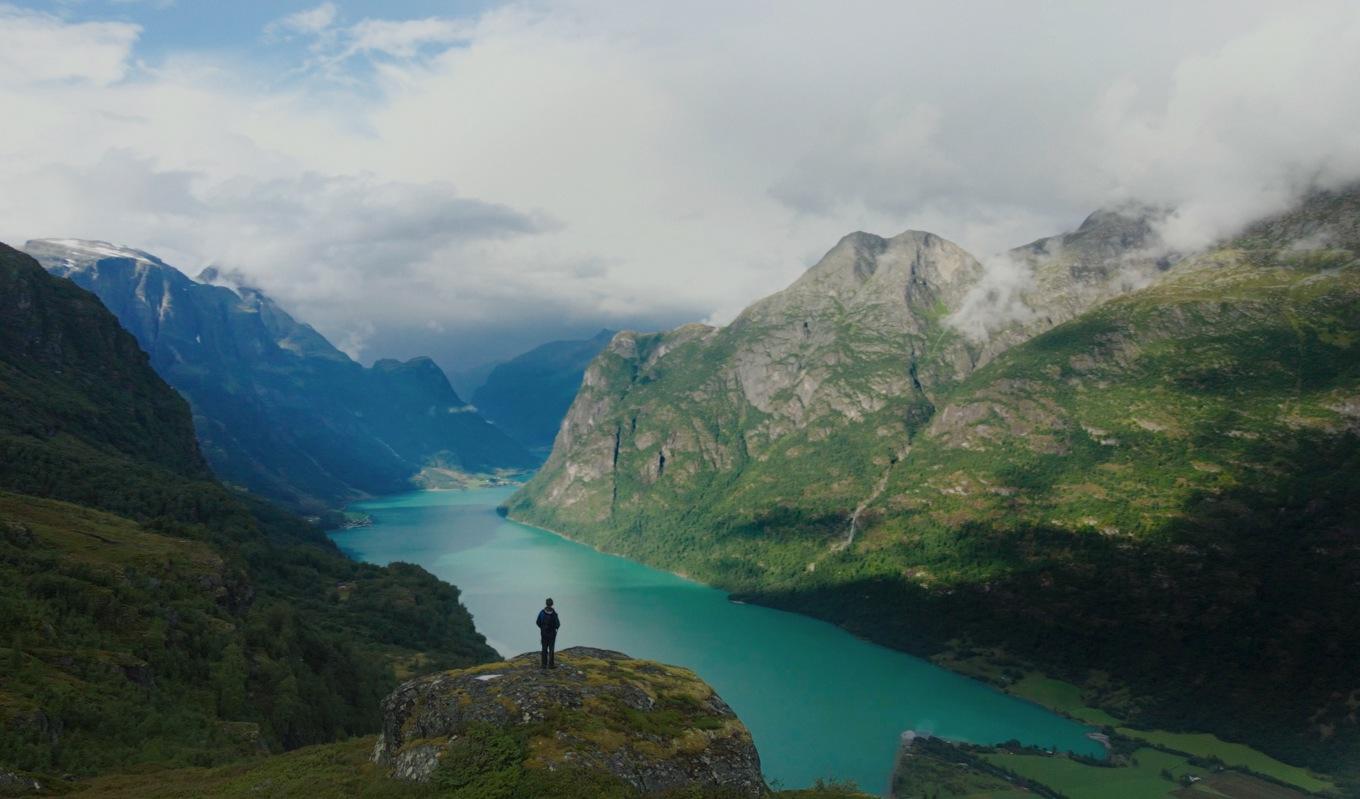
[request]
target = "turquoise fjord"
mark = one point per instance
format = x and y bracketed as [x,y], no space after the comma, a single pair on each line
[820,702]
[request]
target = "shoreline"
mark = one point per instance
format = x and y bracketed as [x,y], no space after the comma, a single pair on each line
[1094,732]
[747,599]
[683,576]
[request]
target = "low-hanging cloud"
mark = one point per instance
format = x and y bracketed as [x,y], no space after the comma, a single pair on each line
[998,299]
[542,170]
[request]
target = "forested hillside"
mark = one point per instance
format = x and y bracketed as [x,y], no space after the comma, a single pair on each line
[150,614]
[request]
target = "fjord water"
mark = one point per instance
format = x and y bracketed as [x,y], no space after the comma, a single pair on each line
[819,702]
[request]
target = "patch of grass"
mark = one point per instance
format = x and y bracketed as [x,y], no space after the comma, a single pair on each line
[1046,691]
[939,771]
[1061,696]
[1094,715]
[1204,745]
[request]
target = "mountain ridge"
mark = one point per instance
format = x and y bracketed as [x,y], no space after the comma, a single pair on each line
[278,408]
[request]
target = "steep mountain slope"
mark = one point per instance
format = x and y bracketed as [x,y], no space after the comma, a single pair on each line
[1112,252]
[149,614]
[529,395]
[1163,487]
[838,363]
[277,408]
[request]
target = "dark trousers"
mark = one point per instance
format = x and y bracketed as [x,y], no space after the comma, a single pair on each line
[549,651]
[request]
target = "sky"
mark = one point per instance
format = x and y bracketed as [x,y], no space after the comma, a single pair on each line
[469,179]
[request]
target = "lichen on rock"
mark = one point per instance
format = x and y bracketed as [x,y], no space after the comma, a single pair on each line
[600,716]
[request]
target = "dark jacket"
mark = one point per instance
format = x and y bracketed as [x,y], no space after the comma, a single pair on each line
[548,622]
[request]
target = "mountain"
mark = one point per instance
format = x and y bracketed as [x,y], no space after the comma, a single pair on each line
[467,381]
[529,395]
[279,410]
[1145,482]
[150,614]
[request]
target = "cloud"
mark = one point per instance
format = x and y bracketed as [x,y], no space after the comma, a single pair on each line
[336,234]
[1245,129]
[404,38]
[334,44]
[544,170]
[355,340]
[311,21]
[997,301]
[41,48]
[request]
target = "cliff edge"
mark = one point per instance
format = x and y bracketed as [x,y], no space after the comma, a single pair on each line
[601,718]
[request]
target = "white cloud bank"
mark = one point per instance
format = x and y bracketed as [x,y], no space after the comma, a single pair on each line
[39,48]
[547,168]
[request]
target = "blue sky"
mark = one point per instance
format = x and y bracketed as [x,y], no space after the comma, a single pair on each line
[467,180]
[235,25]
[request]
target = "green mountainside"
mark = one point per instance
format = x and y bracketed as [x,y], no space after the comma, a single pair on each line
[277,408]
[151,616]
[528,395]
[1149,477]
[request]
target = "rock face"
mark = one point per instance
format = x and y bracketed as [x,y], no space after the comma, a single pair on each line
[277,409]
[845,354]
[599,715]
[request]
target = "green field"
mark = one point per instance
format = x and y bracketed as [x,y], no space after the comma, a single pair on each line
[1143,779]
[1232,754]
[1067,698]
[1063,697]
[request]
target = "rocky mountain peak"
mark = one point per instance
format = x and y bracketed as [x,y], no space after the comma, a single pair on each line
[80,253]
[915,268]
[1115,250]
[233,279]
[1130,224]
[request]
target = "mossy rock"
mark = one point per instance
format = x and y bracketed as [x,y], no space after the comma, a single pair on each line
[599,717]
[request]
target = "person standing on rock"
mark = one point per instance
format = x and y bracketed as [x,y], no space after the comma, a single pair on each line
[548,622]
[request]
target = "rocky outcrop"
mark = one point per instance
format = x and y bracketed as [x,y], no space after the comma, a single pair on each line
[654,727]
[15,784]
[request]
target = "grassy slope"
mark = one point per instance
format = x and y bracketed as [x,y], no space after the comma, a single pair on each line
[1164,487]
[340,769]
[152,616]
